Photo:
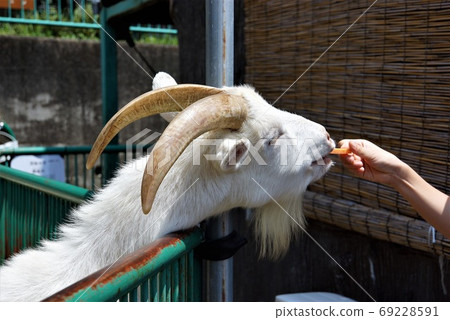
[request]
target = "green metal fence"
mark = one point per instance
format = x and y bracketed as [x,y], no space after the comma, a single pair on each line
[63,13]
[31,207]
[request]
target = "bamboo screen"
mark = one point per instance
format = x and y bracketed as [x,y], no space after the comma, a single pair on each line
[387,79]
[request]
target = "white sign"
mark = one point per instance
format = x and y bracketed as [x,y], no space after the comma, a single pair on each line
[48,165]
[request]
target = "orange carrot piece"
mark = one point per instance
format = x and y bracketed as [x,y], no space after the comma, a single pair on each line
[340,151]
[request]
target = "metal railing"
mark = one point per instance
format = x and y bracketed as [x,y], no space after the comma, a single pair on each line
[63,13]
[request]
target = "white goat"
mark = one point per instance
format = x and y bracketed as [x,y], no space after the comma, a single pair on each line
[112,223]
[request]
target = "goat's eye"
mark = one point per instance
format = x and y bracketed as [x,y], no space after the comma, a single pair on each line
[272,136]
[273,140]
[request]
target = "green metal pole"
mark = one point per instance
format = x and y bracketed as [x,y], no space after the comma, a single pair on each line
[4,127]
[109,88]
[55,188]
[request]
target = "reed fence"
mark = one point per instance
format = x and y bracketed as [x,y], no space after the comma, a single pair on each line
[386,79]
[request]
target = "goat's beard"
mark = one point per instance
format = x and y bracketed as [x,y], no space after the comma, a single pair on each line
[276,225]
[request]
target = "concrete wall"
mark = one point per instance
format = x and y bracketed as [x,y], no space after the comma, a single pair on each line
[50,89]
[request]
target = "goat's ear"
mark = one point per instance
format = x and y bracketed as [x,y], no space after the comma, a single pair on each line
[234,154]
[162,80]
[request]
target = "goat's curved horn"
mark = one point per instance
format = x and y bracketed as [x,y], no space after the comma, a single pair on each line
[220,111]
[168,99]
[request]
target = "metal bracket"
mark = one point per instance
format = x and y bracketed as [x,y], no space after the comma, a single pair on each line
[221,248]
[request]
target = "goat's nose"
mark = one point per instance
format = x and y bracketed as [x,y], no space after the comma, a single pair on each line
[329,140]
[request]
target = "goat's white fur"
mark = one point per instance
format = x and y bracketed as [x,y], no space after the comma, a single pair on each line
[112,223]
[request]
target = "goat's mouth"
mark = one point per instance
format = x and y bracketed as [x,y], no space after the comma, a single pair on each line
[324,161]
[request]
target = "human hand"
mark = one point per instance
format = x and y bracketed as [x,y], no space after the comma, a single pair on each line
[371,162]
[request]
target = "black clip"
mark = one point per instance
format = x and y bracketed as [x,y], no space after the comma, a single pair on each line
[222,248]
